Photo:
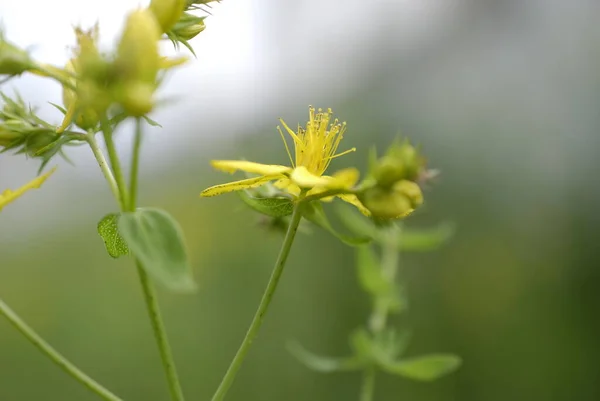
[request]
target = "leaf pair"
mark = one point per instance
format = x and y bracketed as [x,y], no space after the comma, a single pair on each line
[379,351]
[407,240]
[155,239]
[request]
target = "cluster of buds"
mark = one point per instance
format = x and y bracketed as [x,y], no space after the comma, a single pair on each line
[97,86]
[129,78]
[93,81]
[23,132]
[392,191]
[178,22]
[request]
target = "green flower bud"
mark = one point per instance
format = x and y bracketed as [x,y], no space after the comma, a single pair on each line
[188,27]
[84,110]
[13,61]
[137,98]
[392,203]
[138,62]
[89,63]
[37,141]
[7,137]
[167,12]
[401,162]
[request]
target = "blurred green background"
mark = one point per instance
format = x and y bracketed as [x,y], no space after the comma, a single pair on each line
[502,96]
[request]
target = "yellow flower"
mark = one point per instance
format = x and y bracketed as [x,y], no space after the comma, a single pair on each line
[315,146]
[8,196]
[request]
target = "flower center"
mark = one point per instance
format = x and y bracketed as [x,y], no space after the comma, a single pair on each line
[316,144]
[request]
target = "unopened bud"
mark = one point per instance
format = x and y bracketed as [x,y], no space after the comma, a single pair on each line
[137,98]
[86,113]
[188,27]
[89,62]
[7,137]
[401,162]
[167,12]
[392,203]
[38,141]
[138,62]
[13,61]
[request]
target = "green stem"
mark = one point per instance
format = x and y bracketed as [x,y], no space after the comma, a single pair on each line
[259,316]
[127,201]
[135,165]
[389,265]
[160,334]
[150,299]
[54,355]
[115,164]
[368,384]
[91,139]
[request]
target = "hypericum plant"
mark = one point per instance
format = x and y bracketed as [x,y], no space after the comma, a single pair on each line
[104,88]
[376,346]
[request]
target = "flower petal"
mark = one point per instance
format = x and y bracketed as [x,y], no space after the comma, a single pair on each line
[345,178]
[238,185]
[231,166]
[8,196]
[305,179]
[287,185]
[353,200]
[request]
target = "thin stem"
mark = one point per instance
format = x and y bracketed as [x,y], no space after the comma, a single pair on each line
[115,164]
[160,334]
[127,201]
[135,165]
[54,355]
[150,299]
[267,297]
[367,389]
[389,265]
[110,179]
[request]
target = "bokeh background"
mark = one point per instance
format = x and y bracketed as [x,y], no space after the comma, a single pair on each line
[503,97]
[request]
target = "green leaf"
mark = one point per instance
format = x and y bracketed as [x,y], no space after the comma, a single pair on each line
[108,230]
[425,368]
[156,240]
[59,108]
[370,274]
[356,222]
[391,344]
[361,343]
[274,207]
[151,122]
[314,212]
[425,240]
[322,364]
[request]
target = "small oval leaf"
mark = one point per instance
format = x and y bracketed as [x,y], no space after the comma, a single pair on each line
[156,240]
[109,231]
[425,368]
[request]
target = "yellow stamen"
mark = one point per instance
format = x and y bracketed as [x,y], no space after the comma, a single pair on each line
[345,152]
[287,149]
